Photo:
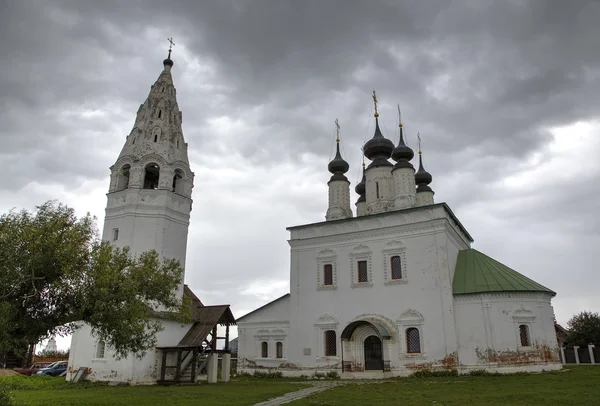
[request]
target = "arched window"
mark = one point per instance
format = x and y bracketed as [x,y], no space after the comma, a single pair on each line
[396,266]
[264,349]
[413,341]
[151,176]
[328,274]
[155,137]
[133,141]
[524,335]
[159,113]
[100,347]
[330,343]
[123,177]
[178,181]
[279,349]
[177,143]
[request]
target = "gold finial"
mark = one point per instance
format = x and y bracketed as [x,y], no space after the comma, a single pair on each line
[171,43]
[419,138]
[363,158]
[337,129]
[399,116]
[375,103]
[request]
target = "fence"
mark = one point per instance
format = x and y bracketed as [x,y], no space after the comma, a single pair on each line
[580,355]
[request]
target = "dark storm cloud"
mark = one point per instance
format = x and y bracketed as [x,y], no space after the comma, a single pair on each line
[483,81]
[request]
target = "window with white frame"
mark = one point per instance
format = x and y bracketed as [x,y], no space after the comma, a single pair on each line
[326,270]
[523,318]
[326,333]
[394,263]
[410,325]
[279,350]
[361,266]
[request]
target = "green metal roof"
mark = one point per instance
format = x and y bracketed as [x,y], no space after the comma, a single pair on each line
[475,272]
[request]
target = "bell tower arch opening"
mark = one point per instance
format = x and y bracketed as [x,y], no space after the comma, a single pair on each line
[151,176]
[123,177]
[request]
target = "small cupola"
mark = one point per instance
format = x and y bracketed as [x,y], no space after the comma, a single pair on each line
[422,177]
[378,149]
[402,154]
[338,166]
[361,187]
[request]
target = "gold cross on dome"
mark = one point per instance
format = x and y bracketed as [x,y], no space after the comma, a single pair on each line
[375,103]
[171,43]
[337,129]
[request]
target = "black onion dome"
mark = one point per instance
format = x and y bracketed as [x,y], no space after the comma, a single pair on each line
[168,62]
[338,165]
[402,151]
[378,149]
[423,178]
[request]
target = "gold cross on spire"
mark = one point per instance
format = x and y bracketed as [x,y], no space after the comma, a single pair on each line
[375,103]
[419,138]
[337,131]
[399,116]
[171,43]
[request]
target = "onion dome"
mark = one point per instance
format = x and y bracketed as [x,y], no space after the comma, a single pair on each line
[378,149]
[402,154]
[338,166]
[168,62]
[361,187]
[422,177]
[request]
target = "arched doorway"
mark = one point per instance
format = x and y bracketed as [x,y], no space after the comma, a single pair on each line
[373,353]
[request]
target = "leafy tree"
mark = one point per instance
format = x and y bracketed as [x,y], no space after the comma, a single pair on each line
[584,329]
[55,271]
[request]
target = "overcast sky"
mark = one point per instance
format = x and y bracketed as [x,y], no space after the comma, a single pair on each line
[505,94]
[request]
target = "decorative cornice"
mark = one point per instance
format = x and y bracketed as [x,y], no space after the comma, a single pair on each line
[430,226]
[478,297]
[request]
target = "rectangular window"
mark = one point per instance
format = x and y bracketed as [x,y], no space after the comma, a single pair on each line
[279,349]
[362,271]
[328,274]
[330,343]
[115,234]
[524,335]
[264,349]
[396,266]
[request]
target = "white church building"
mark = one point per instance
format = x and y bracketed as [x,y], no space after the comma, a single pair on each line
[149,206]
[396,288]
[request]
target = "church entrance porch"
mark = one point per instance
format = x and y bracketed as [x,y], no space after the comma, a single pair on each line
[365,347]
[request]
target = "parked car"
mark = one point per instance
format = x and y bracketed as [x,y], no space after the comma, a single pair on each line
[36,366]
[54,369]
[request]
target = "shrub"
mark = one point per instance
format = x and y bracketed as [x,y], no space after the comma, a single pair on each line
[427,373]
[268,375]
[483,372]
[332,375]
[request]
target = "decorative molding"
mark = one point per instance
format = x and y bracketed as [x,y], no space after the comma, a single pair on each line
[391,249]
[361,253]
[411,317]
[501,296]
[326,257]
[327,321]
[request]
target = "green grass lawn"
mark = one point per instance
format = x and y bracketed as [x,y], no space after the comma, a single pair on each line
[572,386]
[32,391]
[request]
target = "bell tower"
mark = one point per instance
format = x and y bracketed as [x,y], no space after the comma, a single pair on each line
[150,193]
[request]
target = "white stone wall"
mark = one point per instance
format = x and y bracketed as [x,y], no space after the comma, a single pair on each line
[270,324]
[421,238]
[424,198]
[488,330]
[130,370]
